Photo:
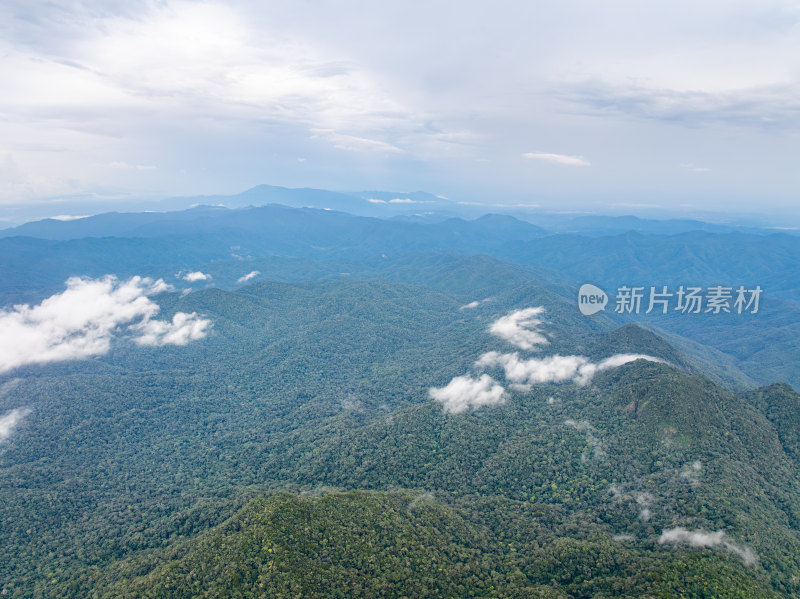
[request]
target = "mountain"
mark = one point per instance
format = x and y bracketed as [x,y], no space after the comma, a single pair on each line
[130,464]
[390,408]
[292,244]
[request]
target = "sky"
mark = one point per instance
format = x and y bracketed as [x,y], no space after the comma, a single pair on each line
[610,106]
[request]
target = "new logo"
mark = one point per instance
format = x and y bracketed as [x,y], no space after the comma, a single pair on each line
[591,299]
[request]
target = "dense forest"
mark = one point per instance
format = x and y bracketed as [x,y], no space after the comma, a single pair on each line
[296,450]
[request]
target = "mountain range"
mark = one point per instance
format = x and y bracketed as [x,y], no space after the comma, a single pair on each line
[293,401]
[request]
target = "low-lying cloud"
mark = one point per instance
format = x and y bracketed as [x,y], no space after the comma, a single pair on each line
[702,538]
[251,275]
[82,320]
[553,369]
[183,329]
[521,328]
[465,392]
[598,451]
[10,420]
[196,276]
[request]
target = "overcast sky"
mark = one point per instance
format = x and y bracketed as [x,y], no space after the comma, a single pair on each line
[686,105]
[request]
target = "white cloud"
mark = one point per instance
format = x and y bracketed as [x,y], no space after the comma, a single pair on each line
[465,392]
[193,277]
[403,201]
[520,388]
[475,304]
[354,143]
[82,320]
[10,420]
[561,159]
[520,328]
[375,201]
[183,328]
[553,369]
[701,538]
[248,276]
[587,371]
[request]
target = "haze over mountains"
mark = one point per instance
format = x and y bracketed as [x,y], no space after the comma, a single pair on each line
[283,400]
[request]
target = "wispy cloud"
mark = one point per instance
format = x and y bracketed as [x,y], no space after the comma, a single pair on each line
[10,420]
[561,159]
[598,450]
[691,473]
[251,275]
[193,277]
[475,304]
[354,143]
[702,538]
[764,107]
[695,169]
[81,321]
[465,392]
[134,167]
[520,328]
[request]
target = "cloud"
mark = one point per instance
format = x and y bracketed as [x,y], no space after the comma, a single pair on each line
[475,304]
[562,159]
[695,169]
[183,328]
[354,143]
[465,392]
[553,369]
[10,420]
[82,320]
[403,201]
[520,328]
[193,277]
[587,371]
[691,473]
[375,201]
[248,276]
[599,452]
[701,538]
[762,106]
[135,167]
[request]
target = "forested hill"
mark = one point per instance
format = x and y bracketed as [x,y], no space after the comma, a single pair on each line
[315,404]
[121,477]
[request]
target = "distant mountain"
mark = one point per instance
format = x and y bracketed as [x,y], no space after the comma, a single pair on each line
[416,206]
